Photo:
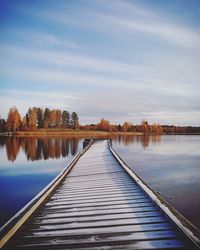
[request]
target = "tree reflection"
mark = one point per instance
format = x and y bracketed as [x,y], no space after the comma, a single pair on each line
[12,148]
[39,148]
[143,140]
[45,148]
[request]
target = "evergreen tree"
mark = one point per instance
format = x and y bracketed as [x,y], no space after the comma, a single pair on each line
[40,117]
[65,119]
[46,118]
[74,120]
[52,118]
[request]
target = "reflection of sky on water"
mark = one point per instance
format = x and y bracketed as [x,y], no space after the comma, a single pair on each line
[22,179]
[16,191]
[170,166]
[23,167]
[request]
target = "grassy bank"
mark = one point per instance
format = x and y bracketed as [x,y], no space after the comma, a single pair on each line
[71,132]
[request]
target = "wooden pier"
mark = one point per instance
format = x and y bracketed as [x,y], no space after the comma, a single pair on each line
[98,203]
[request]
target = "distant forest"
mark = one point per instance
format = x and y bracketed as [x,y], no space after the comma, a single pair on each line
[38,118]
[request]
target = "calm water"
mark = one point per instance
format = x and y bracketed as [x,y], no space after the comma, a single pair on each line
[27,165]
[170,165]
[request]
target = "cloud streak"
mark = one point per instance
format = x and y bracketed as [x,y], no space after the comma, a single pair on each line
[136,21]
[70,67]
[47,39]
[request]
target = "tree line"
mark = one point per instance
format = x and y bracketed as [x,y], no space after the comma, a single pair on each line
[36,118]
[144,127]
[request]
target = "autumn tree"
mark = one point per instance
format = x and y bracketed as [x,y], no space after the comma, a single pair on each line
[13,120]
[126,127]
[58,118]
[33,119]
[145,127]
[104,125]
[24,122]
[156,129]
[52,118]
[113,128]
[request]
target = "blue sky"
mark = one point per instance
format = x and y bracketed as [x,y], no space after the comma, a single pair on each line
[119,60]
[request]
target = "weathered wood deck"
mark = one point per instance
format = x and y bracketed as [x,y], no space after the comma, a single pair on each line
[99,206]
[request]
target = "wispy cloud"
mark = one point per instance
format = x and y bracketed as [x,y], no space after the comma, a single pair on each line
[122,17]
[67,59]
[47,39]
[171,33]
[66,67]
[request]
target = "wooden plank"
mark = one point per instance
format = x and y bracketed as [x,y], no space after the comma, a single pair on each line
[66,195]
[116,178]
[141,245]
[62,192]
[97,196]
[90,208]
[62,214]
[100,230]
[132,237]
[96,172]
[99,202]
[96,187]
[63,220]
[79,183]
[127,199]
[97,224]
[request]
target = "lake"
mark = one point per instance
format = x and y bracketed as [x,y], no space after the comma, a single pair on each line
[27,165]
[170,164]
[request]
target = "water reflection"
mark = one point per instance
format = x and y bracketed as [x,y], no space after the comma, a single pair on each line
[27,165]
[39,148]
[143,140]
[170,165]
[45,148]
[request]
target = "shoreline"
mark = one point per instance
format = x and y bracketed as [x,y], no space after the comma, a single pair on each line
[69,133]
[80,133]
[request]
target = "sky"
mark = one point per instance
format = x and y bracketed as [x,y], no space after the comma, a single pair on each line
[112,59]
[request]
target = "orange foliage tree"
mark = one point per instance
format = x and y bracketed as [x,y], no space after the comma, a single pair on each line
[58,118]
[33,119]
[104,125]
[14,119]
[52,118]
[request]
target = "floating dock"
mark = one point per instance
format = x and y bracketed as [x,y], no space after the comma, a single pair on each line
[97,202]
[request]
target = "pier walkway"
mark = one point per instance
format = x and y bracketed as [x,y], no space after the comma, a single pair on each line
[98,205]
